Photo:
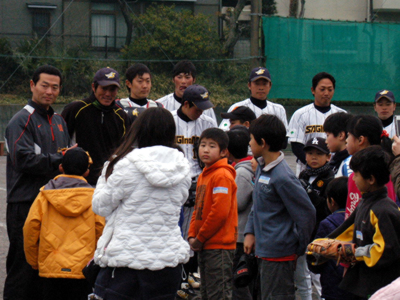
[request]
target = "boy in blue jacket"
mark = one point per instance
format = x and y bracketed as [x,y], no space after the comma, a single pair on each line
[282,217]
[331,272]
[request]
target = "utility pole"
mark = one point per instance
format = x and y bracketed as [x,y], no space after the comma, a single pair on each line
[255,27]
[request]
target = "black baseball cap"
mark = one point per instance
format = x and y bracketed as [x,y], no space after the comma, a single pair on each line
[240,113]
[198,95]
[106,77]
[259,72]
[384,94]
[317,143]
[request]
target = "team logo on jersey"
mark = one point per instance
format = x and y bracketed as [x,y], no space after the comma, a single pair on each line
[182,140]
[384,92]
[110,75]
[320,183]
[259,72]
[60,127]
[135,112]
[314,128]
[204,96]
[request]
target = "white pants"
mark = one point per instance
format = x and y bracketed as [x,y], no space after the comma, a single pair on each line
[302,279]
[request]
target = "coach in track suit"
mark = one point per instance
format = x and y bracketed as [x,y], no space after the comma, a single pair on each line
[307,122]
[34,138]
[96,123]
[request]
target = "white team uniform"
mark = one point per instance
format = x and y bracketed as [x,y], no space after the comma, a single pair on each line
[307,123]
[271,108]
[133,109]
[187,133]
[171,104]
[391,129]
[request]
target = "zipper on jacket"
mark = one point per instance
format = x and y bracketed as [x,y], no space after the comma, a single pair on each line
[112,274]
[102,117]
[51,128]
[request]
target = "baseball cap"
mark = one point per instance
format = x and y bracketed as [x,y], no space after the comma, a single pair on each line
[240,113]
[259,72]
[384,94]
[198,95]
[317,143]
[106,77]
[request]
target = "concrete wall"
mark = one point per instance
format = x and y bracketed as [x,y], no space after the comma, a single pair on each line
[352,10]
[16,19]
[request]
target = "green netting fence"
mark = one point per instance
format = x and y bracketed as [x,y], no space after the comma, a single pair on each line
[363,57]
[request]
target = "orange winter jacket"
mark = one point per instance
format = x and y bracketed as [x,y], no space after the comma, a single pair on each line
[215,218]
[61,230]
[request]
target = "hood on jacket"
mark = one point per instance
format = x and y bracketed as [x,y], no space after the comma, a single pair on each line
[162,166]
[244,164]
[70,204]
[222,163]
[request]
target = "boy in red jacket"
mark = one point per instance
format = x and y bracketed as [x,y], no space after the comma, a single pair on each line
[213,228]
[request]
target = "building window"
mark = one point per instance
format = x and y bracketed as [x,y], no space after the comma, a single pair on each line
[40,17]
[41,23]
[103,25]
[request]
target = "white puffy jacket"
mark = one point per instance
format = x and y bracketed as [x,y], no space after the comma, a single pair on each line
[141,201]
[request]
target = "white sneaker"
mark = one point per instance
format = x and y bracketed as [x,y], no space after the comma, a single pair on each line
[194,281]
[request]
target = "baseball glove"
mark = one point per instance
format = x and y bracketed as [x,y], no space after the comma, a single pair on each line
[325,249]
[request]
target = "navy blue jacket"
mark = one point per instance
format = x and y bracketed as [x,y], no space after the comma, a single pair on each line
[282,217]
[331,273]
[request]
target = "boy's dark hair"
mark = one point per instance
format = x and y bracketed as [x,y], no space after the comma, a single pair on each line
[75,161]
[367,126]
[372,160]
[184,66]
[317,78]
[218,135]
[271,129]
[47,69]
[238,142]
[336,123]
[337,190]
[135,70]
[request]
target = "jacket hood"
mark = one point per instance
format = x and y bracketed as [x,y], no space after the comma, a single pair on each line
[70,195]
[222,163]
[244,164]
[162,166]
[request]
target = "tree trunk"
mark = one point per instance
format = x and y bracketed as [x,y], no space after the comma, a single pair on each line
[233,25]
[302,8]
[293,8]
[128,20]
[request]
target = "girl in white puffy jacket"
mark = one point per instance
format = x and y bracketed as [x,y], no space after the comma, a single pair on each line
[140,192]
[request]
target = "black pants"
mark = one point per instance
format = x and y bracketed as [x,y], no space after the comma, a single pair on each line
[130,284]
[22,282]
[65,289]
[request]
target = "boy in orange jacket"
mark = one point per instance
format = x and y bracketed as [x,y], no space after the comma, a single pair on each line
[213,227]
[61,230]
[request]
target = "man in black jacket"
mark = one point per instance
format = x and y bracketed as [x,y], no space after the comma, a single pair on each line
[96,123]
[34,138]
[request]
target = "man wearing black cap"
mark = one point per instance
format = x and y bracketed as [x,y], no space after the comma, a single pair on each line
[259,85]
[96,123]
[385,105]
[190,123]
[240,115]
